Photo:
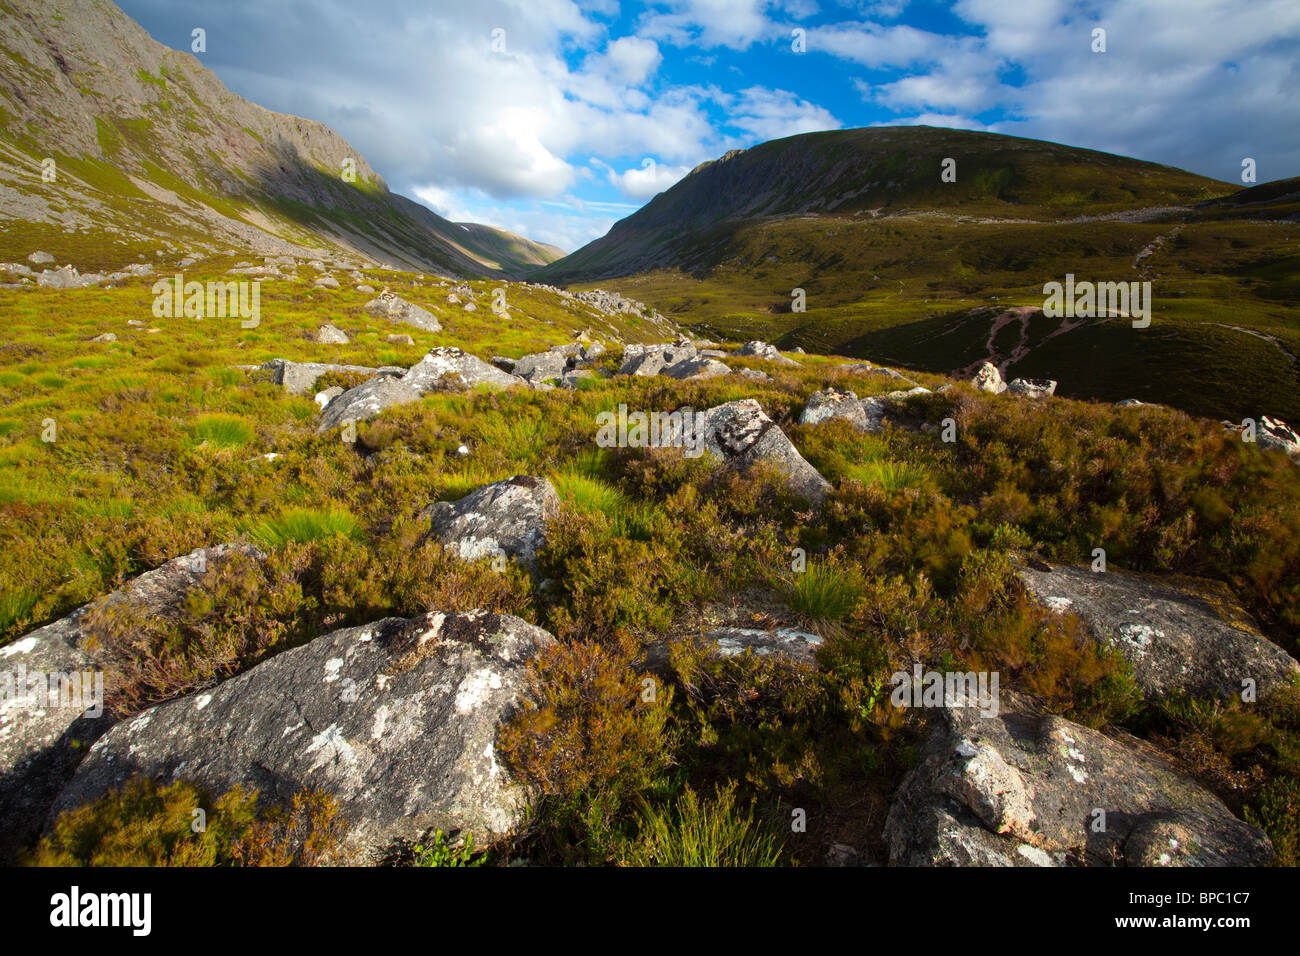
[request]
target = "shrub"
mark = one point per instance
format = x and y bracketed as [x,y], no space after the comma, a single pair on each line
[587,740]
[144,824]
[441,853]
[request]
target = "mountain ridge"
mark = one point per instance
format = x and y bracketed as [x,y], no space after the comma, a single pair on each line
[137,133]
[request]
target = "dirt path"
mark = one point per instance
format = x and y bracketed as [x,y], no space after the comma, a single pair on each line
[1261,335]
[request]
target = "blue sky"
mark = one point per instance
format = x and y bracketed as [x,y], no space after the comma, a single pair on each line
[555,118]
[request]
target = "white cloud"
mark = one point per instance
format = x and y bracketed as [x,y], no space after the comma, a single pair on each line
[645,181]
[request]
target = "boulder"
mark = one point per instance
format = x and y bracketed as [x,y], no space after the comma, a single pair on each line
[989,379]
[366,401]
[1273,433]
[764,350]
[39,258]
[366,289]
[541,367]
[574,376]
[105,337]
[330,335]
[326,282]
[839,403]
[696,368]
[400,340]
[465,371]
[44,736]
[593,351]
[646,360]
[506,516]
[1032,387]
[740,435]
[323,398]
[396,309]
[396,720]
[1179,634]
[783,644]
[1025,789]
[298,378]
[754,375]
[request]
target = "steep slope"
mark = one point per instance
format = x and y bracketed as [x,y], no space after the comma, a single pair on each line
[868,173]
[107,133]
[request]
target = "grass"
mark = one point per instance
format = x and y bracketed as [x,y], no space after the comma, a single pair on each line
[823,592]
[710,832]
[156,455]
[222,431]
[302,525]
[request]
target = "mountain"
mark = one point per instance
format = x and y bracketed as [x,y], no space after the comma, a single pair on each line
[882,171]
[897,266]
[109,135]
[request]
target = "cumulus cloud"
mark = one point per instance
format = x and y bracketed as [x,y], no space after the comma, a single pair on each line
[1193,84]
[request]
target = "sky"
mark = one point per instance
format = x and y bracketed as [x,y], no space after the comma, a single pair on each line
[556,118]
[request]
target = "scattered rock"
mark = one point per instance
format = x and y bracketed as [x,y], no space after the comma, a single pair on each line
[1032,387]
[1022,789]
[542,367]
[105,337]
[328,395]
[696,368]
[507,516]
[366,401]
[396,720]
[741,436]
[396,309]
[841,403]
[42,742]
[331,335]
[447,366]
[1276,434]
[298,378]
[754,375]
[1179,634]
[766,351]
[400,340]
[39,258]
[989,379]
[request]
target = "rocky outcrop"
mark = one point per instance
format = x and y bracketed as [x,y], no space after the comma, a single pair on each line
[785,644]
[1032,387]
[365,401]
[299,378]
[865,414]
[331,335]
[988,379]
[394,308]
[740,435]
[764,350]
[1278,435]
[43,735]
[448,367]
[1180,635]
[507,517]
[396,720]
[1026,789]
[696,368]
